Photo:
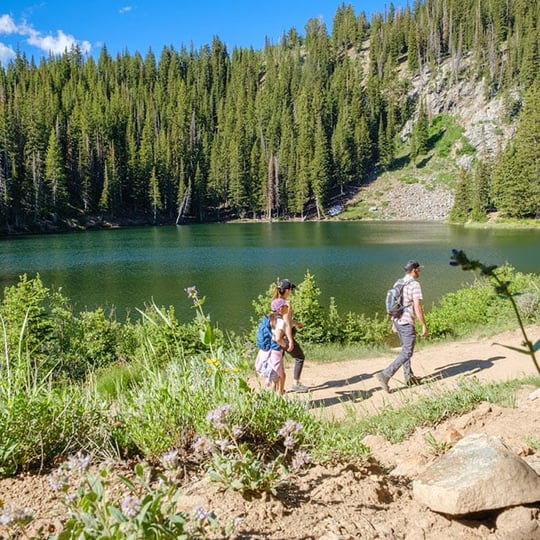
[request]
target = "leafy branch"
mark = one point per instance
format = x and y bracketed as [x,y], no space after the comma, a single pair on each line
[459,258]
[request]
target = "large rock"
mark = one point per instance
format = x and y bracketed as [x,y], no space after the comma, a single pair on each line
[479,473]
[518,523]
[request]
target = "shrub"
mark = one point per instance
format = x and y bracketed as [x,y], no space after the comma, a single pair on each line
[460,312]
[41,328]
[40,423]
[502,286]
[321,326]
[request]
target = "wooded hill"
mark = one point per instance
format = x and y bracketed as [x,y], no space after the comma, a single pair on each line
[210,134]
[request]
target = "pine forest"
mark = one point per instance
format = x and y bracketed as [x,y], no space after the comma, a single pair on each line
[280,133]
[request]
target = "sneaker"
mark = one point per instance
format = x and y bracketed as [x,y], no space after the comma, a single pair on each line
[383,381]
[300,388]
[413,381]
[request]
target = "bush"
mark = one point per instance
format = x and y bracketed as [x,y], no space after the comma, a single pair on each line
[480,306]
[39,424]
[321,326]
[459,313]
[41,328]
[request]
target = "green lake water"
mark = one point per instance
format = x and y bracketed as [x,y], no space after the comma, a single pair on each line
[231,264]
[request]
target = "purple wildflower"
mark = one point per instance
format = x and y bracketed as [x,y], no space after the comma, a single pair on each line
[290,427]
[218,417]
[300,459]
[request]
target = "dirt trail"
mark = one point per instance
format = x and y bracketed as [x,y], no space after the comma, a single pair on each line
[336,387]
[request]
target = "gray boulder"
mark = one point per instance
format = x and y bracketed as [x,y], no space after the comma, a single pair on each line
[479,473]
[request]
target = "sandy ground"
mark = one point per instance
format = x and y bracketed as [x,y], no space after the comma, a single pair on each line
[336,387]
[345,501]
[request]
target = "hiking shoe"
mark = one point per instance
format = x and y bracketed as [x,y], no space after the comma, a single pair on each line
[413,381]
[299,388]
[383,381]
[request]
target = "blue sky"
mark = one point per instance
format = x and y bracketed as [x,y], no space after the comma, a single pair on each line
[37,27]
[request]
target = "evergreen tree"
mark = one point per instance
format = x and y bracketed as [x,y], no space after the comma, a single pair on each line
[105,197]
[412,49]
[480,202]
[462,199]
[364,148]
[385,146]
[154,195]
[420,134]
[344,149]
[320,169]
[55,176]
[516,183]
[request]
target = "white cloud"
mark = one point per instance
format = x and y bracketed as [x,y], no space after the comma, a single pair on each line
[7,26]
[6,53]
[125,9]
[55,44]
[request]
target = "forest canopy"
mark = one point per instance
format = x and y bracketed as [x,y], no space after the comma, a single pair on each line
[211,134]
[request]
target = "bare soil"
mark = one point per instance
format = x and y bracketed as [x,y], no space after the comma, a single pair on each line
[373,501]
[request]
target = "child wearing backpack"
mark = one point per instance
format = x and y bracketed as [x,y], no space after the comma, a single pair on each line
[271,343]
[284,291]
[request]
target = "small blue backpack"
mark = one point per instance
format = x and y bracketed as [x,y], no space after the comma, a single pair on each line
[264,335]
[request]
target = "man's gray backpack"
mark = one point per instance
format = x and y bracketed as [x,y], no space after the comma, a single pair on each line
[394,300]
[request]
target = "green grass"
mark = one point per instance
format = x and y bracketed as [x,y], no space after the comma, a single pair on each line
[409,180]
[447,179]
[359,210]
[398,424]
[533,442]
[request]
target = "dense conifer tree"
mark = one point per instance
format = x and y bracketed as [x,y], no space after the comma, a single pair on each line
[462,200]
[55,176]
[516,183]
[210,134]
[420,134]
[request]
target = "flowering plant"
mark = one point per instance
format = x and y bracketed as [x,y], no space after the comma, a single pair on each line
[206,333]
[238,467]
[103,505]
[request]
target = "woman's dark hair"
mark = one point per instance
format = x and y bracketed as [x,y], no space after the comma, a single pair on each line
[285,284]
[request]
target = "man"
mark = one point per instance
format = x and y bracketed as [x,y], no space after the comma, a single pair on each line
[406,328]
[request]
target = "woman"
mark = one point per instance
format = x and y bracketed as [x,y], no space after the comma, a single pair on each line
[284,291]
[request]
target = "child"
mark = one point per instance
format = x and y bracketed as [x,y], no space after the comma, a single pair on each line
[269,361]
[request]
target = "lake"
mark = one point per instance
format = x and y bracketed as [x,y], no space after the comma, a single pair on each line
[231,264]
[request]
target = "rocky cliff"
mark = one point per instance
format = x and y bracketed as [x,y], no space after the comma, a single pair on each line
[425,191]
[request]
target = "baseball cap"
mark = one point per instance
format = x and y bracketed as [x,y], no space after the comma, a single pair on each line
[286,284]
[411,265]
[278,303]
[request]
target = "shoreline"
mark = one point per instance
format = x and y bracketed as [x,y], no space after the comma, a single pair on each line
[103,225]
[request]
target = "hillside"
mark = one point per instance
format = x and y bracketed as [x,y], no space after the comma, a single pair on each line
[465,125]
